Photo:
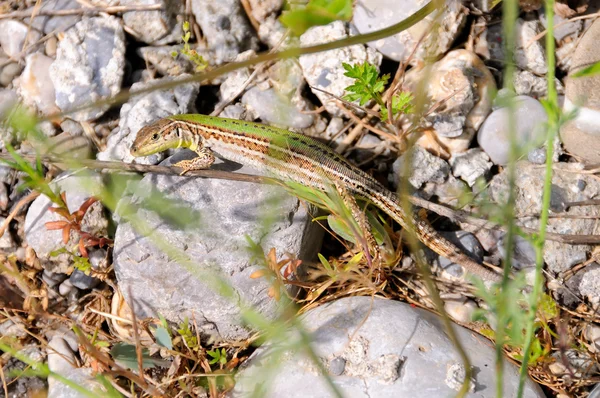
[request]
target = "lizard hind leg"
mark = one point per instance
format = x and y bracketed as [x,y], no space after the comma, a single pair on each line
[203,161]
[359,216]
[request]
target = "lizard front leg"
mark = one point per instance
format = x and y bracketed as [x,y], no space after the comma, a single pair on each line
[205,159]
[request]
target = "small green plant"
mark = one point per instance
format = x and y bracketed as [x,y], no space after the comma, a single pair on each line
[195,58]
[190,339]
[218,357]
[369,86]
[300,17]
[79,262]
[511,312]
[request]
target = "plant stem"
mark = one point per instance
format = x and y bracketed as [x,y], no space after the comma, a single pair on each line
[540,241]
[509,16]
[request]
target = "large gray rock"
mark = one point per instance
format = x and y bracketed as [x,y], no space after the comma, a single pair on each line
[376,348]
[225,27]
[144,109]
[372,15]
[566,187]
[90,63]
[62,361]
[222,214]
[581,136]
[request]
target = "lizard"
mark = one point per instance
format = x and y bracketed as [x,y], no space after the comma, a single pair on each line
[289,156]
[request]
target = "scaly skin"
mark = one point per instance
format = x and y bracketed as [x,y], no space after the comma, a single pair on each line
[288,156]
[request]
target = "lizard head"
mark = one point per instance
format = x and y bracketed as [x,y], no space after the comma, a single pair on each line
[157,137]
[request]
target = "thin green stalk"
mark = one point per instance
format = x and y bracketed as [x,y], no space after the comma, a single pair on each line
[510,13]
[553,124]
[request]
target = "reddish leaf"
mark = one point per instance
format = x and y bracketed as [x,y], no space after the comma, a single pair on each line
[82,249]
[52,225]
[66,233]
[80,213]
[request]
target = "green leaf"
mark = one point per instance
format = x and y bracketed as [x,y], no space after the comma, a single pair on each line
[56,252]
[163,337]
[126,355]
[316,13]
[588,71]
[217,356]
[341,228]
[325,263]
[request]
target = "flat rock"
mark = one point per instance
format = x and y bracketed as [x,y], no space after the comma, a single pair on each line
[90,63]
[566,187]
[222,214]
[376,348]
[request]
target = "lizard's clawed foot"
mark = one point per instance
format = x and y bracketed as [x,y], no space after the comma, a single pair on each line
[204,160]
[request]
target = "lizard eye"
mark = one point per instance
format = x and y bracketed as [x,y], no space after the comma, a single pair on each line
[155,136]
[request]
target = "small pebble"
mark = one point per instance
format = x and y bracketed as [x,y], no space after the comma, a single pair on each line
[524,252]
[51,45]
[65,288]
[529,117]
[21,254]
[337,366]
[72,127]
[461,311]
[82,281]
[53,278]
[6,241]
[3,196]
[537,156]
[9,72]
